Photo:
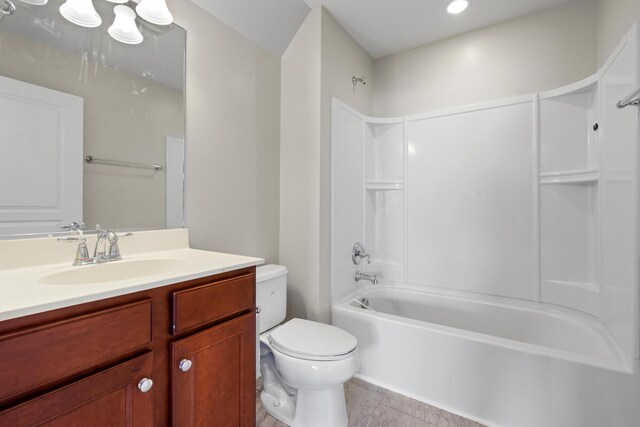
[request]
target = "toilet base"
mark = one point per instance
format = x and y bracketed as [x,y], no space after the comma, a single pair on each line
[312,408]
[282,412]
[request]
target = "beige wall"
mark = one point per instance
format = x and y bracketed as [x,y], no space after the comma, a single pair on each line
[300,168]
[540,51]
[232,148]
[132,131]
[615,17]
[317,65]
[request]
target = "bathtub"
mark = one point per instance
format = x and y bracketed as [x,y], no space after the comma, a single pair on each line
[498,361]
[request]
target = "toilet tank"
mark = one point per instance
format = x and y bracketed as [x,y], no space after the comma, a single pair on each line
[271,295]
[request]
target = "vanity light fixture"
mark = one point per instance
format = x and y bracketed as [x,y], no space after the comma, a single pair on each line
[81,12]
[457,6]
[155,11]
[124,27]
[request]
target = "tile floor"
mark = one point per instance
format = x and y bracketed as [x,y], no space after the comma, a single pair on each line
[371,406]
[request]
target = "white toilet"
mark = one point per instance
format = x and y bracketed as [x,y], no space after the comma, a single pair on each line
[304,364]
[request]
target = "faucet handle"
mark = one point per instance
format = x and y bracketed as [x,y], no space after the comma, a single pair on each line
[74,226]
[82,253]
[358,253]
[114,249]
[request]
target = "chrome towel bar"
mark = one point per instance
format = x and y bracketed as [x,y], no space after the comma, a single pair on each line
[91,159]
[632,99]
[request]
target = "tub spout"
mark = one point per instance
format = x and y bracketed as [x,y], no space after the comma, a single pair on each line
[363,276]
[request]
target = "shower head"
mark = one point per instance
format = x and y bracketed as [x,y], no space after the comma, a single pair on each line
[355,80]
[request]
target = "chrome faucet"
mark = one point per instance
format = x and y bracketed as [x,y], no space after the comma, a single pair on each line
[363,276]
[100,252]
[114,249]
[76,234]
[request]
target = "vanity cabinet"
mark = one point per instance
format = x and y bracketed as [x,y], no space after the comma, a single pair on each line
[210,382]
[109,398]
[181,354]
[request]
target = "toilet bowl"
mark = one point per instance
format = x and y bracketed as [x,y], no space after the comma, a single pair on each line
[304,364]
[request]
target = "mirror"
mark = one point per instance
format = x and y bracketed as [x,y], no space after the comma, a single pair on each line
[69,92]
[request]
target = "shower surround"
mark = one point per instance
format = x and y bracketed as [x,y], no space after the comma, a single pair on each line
[505,238]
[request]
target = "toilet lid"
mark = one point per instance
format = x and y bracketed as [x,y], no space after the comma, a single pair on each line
[309,339]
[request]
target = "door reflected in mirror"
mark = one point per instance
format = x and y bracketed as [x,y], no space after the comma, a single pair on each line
[68,92]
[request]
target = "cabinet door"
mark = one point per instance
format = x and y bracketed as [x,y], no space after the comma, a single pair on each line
[109,398]
[213,376]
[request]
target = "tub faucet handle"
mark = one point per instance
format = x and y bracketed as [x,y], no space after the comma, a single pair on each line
[358,253]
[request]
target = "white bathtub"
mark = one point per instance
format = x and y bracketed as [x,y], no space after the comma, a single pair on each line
[497,361]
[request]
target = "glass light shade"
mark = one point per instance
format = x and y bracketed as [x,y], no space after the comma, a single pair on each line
[124,27]
[456,6]
[118,1]
[155,11]
[81,12]
[35,2]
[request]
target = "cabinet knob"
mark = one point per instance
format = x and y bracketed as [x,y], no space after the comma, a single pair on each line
[185,365]
[145,384]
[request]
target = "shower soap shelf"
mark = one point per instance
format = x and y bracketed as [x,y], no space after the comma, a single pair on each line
[385,185]
[586,176]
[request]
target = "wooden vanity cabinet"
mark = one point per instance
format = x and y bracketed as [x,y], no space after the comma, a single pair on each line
[90,364]
[211,384]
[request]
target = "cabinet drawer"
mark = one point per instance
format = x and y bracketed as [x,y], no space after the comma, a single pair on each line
[107,398]
[45,353]
[204,304]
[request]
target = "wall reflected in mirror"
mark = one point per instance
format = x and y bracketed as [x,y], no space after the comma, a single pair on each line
[67,92]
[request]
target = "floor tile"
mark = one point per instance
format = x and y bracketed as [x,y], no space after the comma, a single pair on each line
[384,416]
[448,419]
[415,408]
[371,406]
[361,398]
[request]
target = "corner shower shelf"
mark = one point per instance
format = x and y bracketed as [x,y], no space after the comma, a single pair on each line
[585,176]
[385,185]
[586,85]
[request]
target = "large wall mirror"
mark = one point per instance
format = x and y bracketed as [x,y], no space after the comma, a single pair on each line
[92,129]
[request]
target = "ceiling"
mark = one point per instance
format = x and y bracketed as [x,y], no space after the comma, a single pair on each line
[381,27]
[268,23]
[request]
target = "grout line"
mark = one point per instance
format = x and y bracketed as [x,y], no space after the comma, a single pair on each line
[412,416]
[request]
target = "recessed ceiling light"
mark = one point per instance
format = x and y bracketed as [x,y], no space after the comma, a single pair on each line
[456,6]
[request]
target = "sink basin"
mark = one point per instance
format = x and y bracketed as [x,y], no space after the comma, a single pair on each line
[113,271]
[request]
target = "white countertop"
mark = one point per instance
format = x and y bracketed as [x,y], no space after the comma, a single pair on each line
[25,264]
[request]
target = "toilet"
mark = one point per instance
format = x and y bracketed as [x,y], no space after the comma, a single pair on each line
[303,364]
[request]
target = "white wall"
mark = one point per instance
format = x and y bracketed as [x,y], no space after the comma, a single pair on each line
[615,17]
[342,58]
[470,192]
[317,65]
[232,144]
[347,198]
[540,51]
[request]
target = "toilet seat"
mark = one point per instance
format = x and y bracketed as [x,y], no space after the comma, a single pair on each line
[304,339]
